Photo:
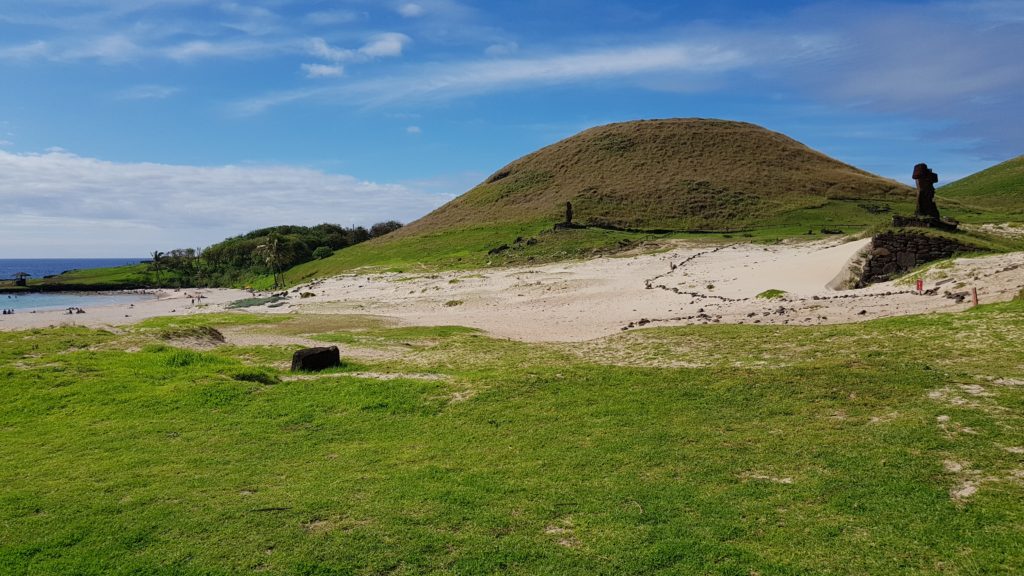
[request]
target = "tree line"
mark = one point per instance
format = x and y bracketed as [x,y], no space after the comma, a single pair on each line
[263,252]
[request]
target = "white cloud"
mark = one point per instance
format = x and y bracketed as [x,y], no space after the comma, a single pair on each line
[389,44]
[411,10]
[197,49]
[501,49]
[30,51]
[323,70]
[148,92]
[385,45]
[253,20]
[414,130]
[5,143]
[459,79]
[333,17]
[115,48]
[320,48]
[69,202]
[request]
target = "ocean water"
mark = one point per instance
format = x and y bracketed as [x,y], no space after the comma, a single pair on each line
[21,303]
[40,267]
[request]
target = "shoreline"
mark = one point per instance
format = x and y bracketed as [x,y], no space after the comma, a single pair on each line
[164,302]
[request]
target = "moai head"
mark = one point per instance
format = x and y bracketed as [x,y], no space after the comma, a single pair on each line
[924,176]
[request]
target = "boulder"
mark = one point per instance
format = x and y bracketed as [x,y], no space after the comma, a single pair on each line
[315,359]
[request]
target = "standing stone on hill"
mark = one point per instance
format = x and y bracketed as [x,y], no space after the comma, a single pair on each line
[315,359]
[926,180]
[568,213]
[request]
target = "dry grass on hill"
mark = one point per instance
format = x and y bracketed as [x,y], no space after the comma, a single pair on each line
[680,174]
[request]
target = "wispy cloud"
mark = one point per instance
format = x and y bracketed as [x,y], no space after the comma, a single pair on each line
[334,17]
[110,49]
[457,79]
[253,20]
[501,49]
[323,70]
[247,48]
[385,45]
[25,52]
[148,92]
[410,10]
[321,49]
[144,206]
[957,66]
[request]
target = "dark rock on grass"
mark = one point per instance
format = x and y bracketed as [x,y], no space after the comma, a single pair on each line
[316,359]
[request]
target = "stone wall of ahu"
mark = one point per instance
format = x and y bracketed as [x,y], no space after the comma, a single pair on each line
[895,253]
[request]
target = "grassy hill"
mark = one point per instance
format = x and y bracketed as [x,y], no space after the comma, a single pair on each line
[999,190]
[633,182]
[679,174]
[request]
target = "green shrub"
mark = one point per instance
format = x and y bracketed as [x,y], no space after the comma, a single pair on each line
[323,252]
[249,302]
[258,375]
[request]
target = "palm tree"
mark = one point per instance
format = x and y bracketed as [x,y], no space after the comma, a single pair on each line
[270,251]
[157,257]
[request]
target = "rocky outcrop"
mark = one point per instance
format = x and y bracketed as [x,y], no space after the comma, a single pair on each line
[895,253]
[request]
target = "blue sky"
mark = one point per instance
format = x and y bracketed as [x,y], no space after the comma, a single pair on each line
[133,125]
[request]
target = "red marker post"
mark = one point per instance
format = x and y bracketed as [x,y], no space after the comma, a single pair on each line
[920,285]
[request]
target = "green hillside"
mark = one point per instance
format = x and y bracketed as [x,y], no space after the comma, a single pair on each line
[996,191]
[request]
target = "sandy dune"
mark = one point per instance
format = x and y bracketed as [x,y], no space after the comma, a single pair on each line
[690,284]
[578,301]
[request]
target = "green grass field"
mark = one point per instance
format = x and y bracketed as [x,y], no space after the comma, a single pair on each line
[734,450]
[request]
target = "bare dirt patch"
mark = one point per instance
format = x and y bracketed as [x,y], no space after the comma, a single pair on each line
[318,526]
[369,376]
[766,478]
[564,531]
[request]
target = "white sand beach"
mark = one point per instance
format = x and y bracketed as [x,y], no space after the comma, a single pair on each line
[583,300]
[166,302]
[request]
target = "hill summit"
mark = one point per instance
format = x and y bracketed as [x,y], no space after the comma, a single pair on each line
[673,174]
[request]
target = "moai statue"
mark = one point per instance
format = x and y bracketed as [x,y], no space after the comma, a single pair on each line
[926,180]
[568,212]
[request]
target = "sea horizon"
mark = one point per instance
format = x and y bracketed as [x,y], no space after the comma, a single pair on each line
[42,267]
